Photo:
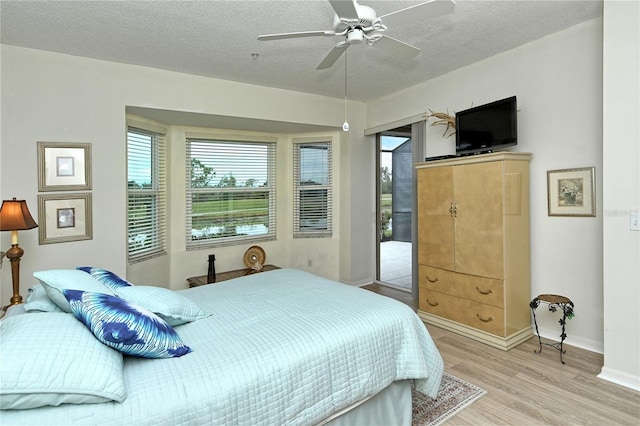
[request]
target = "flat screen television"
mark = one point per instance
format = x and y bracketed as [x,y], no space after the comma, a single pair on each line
[487,128]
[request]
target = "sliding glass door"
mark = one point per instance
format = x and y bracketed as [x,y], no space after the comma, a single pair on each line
[395,188]
[398,150]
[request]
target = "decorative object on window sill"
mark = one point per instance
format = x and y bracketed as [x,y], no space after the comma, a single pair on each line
[64,218]
[211,271]
[254,258]
[444,119]
[14,217]
[64,166]
[571,192]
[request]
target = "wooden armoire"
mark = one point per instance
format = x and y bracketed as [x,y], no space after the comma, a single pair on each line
[473,246]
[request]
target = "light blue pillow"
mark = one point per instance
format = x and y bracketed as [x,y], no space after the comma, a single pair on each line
[124,326]
[56,280]
[107,278]
[50,358]
[38,301]
[172,307]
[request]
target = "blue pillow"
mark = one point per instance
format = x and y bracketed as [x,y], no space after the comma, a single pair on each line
[126,327]
[107,278]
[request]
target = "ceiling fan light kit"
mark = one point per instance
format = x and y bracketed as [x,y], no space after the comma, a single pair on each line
[355,36]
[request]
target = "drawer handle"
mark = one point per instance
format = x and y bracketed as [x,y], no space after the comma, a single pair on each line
[484,319]
[432,303]
[434,280]
[484,291]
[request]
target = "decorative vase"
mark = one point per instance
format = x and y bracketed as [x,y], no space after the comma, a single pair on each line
[211,273]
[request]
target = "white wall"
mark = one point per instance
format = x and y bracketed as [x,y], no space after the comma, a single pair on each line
[621,182]
[61,98]
[558,82]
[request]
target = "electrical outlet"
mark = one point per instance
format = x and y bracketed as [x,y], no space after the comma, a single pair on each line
[634,222]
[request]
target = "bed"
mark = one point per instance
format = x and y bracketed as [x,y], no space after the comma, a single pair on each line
[274,348]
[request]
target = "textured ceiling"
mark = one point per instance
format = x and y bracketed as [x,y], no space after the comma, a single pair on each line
[217,38]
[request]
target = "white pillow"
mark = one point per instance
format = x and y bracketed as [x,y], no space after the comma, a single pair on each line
[56,280]
[38,301]
[51,358]
[172,307]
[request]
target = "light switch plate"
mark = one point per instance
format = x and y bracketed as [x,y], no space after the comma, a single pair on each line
[634,222]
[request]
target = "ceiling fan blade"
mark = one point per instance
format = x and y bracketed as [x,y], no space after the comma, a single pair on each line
[267,37]
[332,57]
[396,48]
[419,12]
[345,8]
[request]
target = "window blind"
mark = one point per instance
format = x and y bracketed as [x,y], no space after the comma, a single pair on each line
[231,192]
[146,194]
[312,198]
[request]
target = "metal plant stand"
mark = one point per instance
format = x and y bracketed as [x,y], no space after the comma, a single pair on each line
[554,301]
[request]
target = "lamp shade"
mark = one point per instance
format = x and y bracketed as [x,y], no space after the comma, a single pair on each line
[15,216]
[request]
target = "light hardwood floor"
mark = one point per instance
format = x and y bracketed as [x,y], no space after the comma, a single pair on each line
[525,388]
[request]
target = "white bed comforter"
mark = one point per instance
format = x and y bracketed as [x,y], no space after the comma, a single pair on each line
[281,347]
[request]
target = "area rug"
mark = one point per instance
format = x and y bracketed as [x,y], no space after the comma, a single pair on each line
[454,396]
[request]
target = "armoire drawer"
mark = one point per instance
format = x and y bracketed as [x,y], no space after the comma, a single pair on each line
[477,315]
[489,291]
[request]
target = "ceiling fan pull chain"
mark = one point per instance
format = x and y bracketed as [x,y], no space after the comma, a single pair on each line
[345,125]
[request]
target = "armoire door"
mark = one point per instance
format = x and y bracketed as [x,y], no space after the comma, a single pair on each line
[435,220]
[479,208]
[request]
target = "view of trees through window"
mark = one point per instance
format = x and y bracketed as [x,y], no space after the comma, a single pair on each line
[312,189]
[231,190]
[146,194]
[388,144]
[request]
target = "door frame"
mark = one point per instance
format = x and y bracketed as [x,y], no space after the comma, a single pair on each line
[417,132]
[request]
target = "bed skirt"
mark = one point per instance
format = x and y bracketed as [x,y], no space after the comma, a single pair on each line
[392,406]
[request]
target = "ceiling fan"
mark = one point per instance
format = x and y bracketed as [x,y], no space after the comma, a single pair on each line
[357,23]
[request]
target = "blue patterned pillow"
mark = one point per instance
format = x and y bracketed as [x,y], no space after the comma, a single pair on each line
[126,327]
[107,278]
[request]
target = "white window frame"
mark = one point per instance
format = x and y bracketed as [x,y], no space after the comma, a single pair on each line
[320,224]
[211,236]
[148,239]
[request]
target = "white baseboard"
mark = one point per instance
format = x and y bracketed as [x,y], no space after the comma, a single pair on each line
[589,345]
[358,283]
[620,378]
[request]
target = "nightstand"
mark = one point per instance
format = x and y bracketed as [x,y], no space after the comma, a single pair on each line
[223,276]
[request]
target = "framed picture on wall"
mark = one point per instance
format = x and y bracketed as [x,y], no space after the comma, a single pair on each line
[571,192]
[64,218]
[64,166]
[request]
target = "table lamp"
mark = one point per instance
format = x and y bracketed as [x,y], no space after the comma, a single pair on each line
[14,217]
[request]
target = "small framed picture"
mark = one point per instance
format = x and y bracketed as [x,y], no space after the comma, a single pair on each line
[64,218]
[64,166]
[571,192]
